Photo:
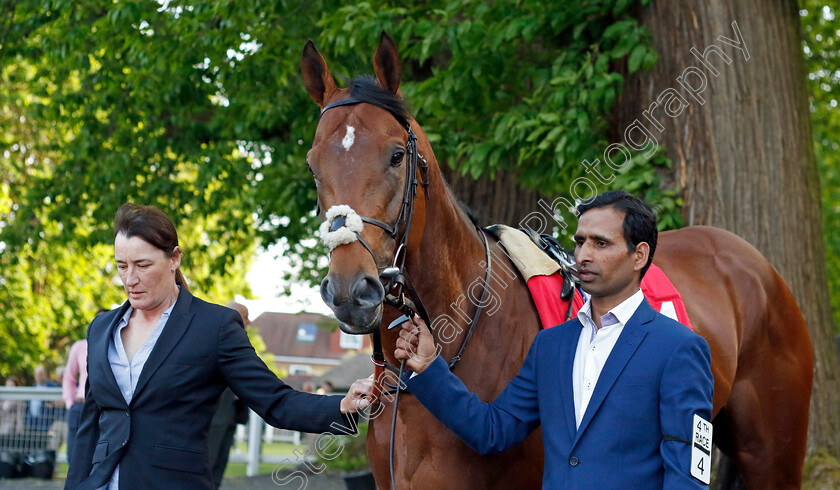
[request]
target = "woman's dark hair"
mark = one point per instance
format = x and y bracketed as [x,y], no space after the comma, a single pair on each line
[153,226]
[639,220]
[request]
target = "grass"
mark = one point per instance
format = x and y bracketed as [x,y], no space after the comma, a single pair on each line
[232,469]
[274,449]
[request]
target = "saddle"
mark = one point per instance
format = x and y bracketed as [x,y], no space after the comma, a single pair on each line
[547,270]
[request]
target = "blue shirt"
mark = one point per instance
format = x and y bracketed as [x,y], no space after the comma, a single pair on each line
[127,373]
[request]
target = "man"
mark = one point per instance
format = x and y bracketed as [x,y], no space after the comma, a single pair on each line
[615,390]
[39,414]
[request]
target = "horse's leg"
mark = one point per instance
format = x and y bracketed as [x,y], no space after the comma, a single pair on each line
[768,449]
[768,408]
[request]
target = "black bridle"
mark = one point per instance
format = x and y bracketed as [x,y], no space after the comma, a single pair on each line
[400,292]
[396,281]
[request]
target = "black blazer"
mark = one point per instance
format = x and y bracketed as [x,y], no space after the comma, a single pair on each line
[160,439]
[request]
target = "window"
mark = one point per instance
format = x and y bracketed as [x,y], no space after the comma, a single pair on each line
[300,369]
[347,341]
[307,332]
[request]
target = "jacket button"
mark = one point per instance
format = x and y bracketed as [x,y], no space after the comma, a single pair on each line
[124,443]
[573,461]
[127,414]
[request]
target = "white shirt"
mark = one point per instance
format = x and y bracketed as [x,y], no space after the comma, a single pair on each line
[594,347]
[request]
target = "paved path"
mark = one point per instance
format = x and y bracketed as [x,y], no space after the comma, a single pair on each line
[261,482]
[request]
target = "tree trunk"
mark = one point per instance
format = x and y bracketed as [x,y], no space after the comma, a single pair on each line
[497,200]
[743,157]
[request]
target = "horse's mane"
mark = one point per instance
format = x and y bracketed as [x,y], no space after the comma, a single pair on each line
[461,204]
[366,89]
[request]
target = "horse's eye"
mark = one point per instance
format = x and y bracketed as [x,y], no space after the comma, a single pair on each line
[397,158]
[308,167]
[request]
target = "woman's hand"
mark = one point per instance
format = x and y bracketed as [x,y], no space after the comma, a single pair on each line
[359,396]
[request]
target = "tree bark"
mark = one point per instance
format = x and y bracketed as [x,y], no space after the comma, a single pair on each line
[497,200]
[743,159]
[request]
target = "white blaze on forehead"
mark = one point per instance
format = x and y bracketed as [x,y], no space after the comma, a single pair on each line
[349,138]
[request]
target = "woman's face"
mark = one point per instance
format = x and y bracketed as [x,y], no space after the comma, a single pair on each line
[147,274]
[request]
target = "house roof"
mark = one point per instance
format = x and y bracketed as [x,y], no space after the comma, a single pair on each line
[352,368]
[303,335]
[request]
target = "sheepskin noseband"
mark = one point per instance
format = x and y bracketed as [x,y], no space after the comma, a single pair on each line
[341,235]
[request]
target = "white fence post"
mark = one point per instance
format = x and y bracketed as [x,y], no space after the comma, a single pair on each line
[254,443]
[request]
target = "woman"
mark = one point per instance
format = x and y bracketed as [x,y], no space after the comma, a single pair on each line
[156,368]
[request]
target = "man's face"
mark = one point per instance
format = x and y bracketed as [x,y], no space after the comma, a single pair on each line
[607,271]
[40,375]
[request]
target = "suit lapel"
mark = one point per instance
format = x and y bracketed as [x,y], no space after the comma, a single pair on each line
[622,352]
[100,351]
[178,322]
[567,348]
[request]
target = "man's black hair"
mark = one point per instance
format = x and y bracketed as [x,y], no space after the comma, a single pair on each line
[639,220]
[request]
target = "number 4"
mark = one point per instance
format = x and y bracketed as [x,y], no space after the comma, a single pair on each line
[700,466]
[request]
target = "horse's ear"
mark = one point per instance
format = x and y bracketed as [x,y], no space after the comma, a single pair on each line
[386,63]
[316,76]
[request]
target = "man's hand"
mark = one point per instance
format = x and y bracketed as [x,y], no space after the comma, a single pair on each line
[359,396]
[416,345]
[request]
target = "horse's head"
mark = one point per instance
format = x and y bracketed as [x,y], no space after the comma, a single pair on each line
[365,163]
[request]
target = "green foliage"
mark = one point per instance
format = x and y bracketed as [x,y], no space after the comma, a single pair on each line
[504,85]
[822,57]
[353,456]
[262,350]
[79,140]
[199,109]
[508,85]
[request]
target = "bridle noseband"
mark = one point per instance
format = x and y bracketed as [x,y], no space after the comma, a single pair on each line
[395,281]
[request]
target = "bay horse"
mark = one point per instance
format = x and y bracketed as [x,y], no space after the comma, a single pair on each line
[373,165]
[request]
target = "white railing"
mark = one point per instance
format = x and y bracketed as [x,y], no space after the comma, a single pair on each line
[32,419]
[26,430]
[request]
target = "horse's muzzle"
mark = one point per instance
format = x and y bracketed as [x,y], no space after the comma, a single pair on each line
[357,303]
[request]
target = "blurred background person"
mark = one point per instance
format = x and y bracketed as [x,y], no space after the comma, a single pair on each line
[11,413]
[73,387]
[38,416]
[326,388]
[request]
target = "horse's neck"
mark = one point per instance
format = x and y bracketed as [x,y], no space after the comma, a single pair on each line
[450,257]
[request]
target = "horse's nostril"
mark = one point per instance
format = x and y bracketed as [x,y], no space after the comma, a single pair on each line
[327,293]
[368,291]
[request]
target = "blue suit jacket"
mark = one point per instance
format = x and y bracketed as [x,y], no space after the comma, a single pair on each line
[656,378]
[160,438]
